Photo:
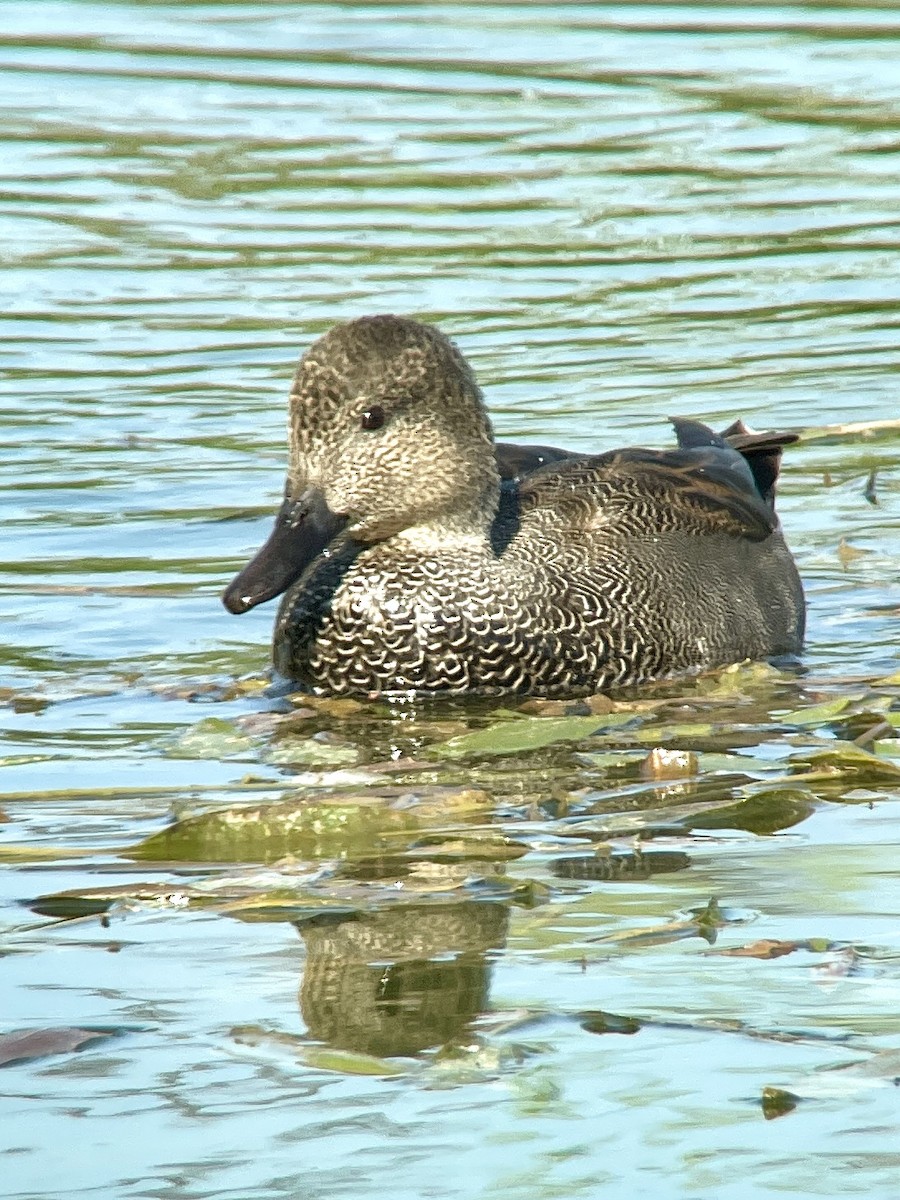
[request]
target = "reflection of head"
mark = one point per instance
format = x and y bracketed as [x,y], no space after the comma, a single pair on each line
[399,980]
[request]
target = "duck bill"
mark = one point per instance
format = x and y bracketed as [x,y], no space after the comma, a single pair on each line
[303,528]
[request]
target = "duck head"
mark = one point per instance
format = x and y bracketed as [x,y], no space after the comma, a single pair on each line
[388,434]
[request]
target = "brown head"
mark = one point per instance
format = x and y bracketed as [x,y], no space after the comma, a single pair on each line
[388,433]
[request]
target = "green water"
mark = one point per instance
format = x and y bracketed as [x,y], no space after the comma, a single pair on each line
[390,978]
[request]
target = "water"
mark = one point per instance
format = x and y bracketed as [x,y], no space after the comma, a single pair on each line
[620,212]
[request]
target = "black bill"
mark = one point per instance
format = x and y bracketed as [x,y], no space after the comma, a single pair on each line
[303,528]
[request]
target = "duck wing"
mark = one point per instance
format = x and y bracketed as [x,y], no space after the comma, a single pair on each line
[703,487]
[515,461]
[762,452]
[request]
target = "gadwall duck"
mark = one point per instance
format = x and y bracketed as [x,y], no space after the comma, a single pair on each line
[417,554]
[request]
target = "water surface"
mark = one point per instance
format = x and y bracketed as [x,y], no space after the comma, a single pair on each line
[620,212]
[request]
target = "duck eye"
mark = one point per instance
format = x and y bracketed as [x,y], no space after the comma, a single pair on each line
[372,418]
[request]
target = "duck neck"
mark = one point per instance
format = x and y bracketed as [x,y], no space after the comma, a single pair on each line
[465,527]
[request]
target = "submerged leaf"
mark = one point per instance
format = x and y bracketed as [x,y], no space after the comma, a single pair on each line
[323,1058]
[883,1066]
[210,738]
[313,752]
[848,553]
[769,948]
[703,922]
[39,1043]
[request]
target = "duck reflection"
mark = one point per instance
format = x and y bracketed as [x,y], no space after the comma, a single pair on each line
[401,979]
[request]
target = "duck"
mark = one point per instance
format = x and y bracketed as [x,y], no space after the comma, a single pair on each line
[414,553]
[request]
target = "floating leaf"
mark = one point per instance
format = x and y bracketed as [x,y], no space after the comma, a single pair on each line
[30,704]
[735,764]
[332,827]
[777,1103]
[25,760]
[884,1066]
[350,1062]
[703,922]
[849,760]
[480,847]
[552,708]
[324,1058]
[439,805]
[527,733]
[276,904]
[42,853]
[815,714]
[676,731]
[95,900]
[761,812]
[605,1022]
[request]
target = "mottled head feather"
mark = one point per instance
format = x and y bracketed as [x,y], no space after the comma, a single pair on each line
[431,455]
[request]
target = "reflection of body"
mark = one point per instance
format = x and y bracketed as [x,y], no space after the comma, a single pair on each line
[398,980]
[417,555]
